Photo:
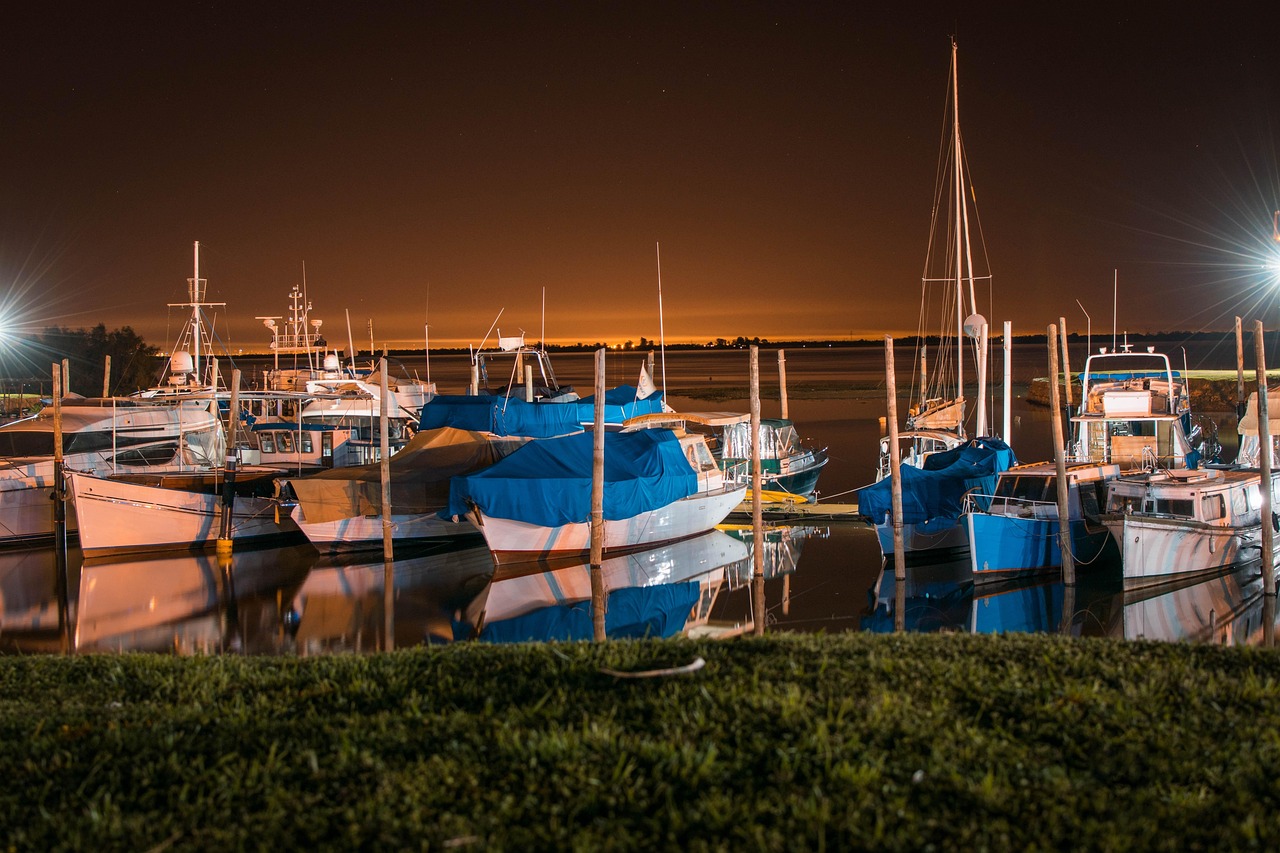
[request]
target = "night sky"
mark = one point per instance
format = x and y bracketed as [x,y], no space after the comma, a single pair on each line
[437,162]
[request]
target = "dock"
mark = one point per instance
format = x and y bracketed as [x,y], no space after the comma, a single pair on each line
[799,511]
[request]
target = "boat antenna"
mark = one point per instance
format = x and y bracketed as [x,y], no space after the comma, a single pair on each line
[491,325]
[351,343]
[1115,294]
[542,335]
[662,336]
[426,332]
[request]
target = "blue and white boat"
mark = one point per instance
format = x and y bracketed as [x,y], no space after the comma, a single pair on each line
[1013,531]
[1134,415]
[536,503]
[933,499]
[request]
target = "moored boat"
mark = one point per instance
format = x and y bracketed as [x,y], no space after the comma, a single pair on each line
[1014,530]
[536,503]
[118,518]
[341,509]
[1171,523]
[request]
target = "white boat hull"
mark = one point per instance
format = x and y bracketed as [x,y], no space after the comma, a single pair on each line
[364,532]
[1157,549]
[126,518]
[514,541]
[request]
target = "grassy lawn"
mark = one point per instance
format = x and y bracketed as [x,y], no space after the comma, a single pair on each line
[903,742]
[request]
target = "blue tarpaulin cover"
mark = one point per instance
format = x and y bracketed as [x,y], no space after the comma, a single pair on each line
[634,612]
[514,416]
[937,491]
[548,482]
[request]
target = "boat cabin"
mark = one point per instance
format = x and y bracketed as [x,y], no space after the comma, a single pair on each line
[1133,412]
[1212,496]
[1031,490]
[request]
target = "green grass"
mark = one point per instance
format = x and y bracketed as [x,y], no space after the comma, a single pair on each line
[906,742]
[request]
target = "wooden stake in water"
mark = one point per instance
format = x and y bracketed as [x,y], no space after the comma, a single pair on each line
[895,466]
[598,592]
[981,428]
[757,498]
[229,472]
[1066,361]
[388,549]
[1006,434]
[782,381]
[1264,465]
[528,383]
[66,376]
[62,582]
[1060,457]
[106,376]
[1240,401]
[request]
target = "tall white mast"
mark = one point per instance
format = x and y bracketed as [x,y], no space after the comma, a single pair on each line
[960,223]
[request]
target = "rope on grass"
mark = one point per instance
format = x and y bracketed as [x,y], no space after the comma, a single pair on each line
[689,668]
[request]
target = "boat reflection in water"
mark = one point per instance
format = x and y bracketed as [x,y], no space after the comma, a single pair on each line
[656,593]
[29,601]
[188,603]
[341,606]
[1228,608]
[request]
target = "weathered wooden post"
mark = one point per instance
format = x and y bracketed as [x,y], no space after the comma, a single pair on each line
[757,499]
[229,470]
[1240,399]
[980,427]
[66,376]
[1066,360]
[528,383]
[1008,383]
[895,466]
[1060,457]
[106,376]
[388,548]
[62,582]
[782,381]
[1264,465]
[599,595]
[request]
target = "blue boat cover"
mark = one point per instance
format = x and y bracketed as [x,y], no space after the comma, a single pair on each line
[634,612]
[513,416]
[548,482]
[937,490]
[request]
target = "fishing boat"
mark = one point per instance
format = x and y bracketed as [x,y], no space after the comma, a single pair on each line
[936,424]
[1134,416]
[536,503]
[789,469]
[1013,531]
[1135,412]
[1170,523]
[105,437]
[117,517]
[334,423]
[341,509]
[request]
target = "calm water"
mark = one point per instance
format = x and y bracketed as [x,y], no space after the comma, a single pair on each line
[819,576]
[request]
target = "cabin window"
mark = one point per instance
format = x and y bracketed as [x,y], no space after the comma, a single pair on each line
[286,441]
[267,442]
[1025,488]
[306,442]
[1124,503]
[1213,507]
[1184,508]
[326,445]
[156,454]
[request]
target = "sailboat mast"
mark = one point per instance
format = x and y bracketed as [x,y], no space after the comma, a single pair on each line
[195,295]
[959,219]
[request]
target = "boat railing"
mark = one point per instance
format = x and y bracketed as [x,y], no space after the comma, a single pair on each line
[1009,506]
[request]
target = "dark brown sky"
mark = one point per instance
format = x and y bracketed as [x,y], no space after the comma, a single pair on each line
[782,154]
